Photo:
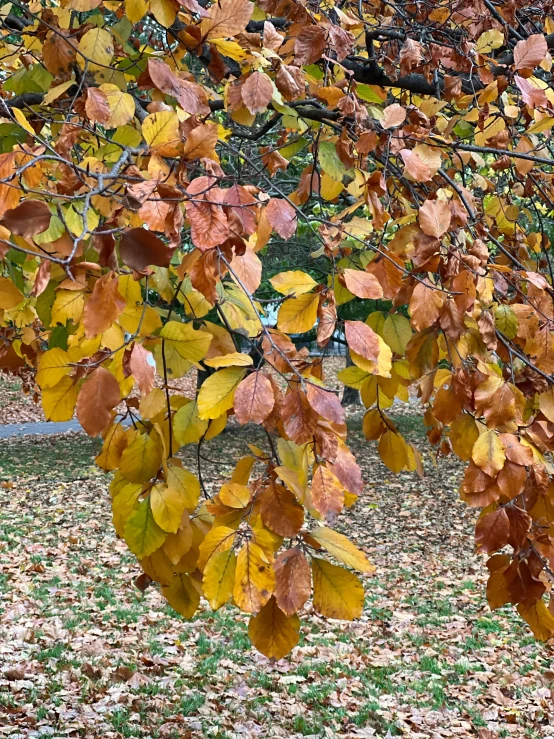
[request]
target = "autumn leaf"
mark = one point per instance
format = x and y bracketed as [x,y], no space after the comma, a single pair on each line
[272,632]
[341,548]
[434,218]
[254,399]
[254,578]
[257,92]
[217,393]
[363,284]
[488,453]
[327,492]
[140,249]
[337,592]
[530,52]
[282,217]
[31,217]
[97,397]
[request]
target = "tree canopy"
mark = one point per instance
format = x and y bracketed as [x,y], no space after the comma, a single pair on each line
[157,160]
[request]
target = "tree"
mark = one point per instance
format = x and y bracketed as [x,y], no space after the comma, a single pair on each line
[150,153]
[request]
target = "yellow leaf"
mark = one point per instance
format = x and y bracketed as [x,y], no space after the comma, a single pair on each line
[488,453]
[506,321]
[298,315]
[123,502]
[546,404]
[397,332]
[230,48]
[218,391]
[488,41]
[353,377]
[141,460]
[219,578]
[539,618]
[96,47]
[115,442]
[337,592]
[136,9]
[234,495]
[164,12]
[219,539]
[167,507]
[340,547]
[184,484]
[463,434]
[121,105]
[235,359]
[141,532]
[272,632]
[293,283]
[152,404]
[255,578]
[68,306]
[393,450]
[52,367]
[161,132]
[55,92]
[19,115]
[183,344]
[182,595]
[187,427]
[58,402]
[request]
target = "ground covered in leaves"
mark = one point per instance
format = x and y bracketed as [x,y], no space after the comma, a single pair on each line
[84,653]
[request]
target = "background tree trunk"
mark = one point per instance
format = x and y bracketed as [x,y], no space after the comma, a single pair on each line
[350,396]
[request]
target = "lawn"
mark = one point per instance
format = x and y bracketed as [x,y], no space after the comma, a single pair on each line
[83,653]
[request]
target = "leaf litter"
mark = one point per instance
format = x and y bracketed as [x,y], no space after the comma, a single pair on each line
[84,653]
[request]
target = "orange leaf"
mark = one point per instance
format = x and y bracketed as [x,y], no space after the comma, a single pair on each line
[363,284]
[327,492]
[254,399]
[434,218]
[292,580]
[97,397]
[362,340]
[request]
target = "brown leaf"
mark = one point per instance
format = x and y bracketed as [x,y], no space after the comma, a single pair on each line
[530,52]
[282,217]
[325,403]
[393,115]
[227,18]
[201,142]
[57,54]
[30,218]
[254,399]
[434,218]
[99,394]
[209,224]
[292,580]
[96,105]
[362,339]
[140,248]
[280,511]
[492,531]
[104,305]
[363,284]
[417,169]
[327,492]
[310,44]
[298,418]
[425,305]
[142,370]
[190,96]
[257,92]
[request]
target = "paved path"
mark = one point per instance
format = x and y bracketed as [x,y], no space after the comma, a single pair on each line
[41,427]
